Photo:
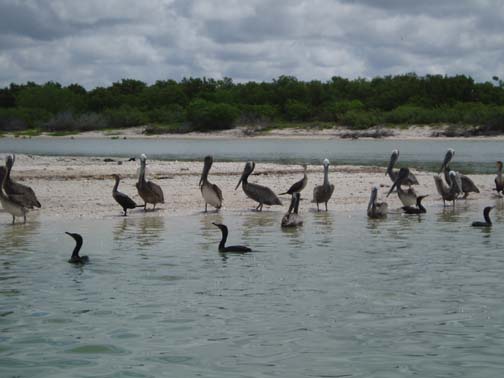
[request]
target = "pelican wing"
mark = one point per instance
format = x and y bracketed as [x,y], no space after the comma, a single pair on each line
[261,194]
[24,194]
[156,190]
[468,185]
[322,193]
[218,192]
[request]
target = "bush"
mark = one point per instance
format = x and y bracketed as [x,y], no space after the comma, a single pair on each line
[125,116]
[205,115]
[334,111]
[16,119]
[168,114]
[356,119]
[296,111]
[67,121]
[257,114]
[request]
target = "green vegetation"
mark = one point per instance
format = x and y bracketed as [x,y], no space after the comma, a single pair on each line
[205,104]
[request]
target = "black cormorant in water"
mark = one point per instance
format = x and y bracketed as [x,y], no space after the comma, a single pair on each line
[76,259]
[231,248]
[419,209]
[486,215]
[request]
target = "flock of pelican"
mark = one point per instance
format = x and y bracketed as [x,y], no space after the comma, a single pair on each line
[17,199]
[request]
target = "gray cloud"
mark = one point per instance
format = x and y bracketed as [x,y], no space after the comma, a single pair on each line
[97,42]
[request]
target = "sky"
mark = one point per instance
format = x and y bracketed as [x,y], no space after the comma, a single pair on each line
[98,42]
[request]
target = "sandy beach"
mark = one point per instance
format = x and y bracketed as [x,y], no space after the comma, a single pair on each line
[73,187]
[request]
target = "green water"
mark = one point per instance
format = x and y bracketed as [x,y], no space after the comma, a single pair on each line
[341,296]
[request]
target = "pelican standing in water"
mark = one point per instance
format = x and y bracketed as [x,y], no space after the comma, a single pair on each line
[18,192]
[468,185]
[486,215]
[419,209]
[75,258]
[11,205]
[147,190]
[499,183]
[407,197]
[410,180]
[231,248]
[122,199]
[292,218]
[376,209]
[261,194]
[322,193]
[298,186]
[448,193]
[211,193]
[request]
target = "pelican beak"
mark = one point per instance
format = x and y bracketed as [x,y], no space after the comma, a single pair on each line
[239,182]
[393,186]
[200,181]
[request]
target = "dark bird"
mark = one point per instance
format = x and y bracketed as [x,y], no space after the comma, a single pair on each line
[122,199]
[467,185]
[298,186]
[147,190]
[419,209]
[292,218]
[486,215]
[499,182]
[410,180]
[20,193]
[231,248]
[322,193]
[261,194]
[211,193]
[75,258]
[10,204]
[407,197]
[448,193]
[376,209]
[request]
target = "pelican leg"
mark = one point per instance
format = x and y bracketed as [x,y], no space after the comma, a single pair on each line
[206,205]
[145,206]
[465,195]
[24,219]
[154,207]
[326,206]
[125,212]
[13,219]
[318,207]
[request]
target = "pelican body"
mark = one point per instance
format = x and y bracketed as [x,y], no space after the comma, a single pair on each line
[407,197]
[419,209]
[10,204]
[499,182]
[410,180]
[122,199]
[147,190]
[211,193]
[20,193]
[448,193]
[292,218]
[486,215]
[467,185]
[75,258]
[261,194]
[298,186]
[322,193]
[376,209]
[231,248]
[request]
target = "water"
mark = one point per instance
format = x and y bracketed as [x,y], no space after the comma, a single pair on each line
[471,156]
[342,296]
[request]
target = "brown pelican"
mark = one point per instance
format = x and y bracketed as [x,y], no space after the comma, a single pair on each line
[19,192]
[376,209]
[323,193]
[75,258]
[292,218]
[499,182]
[410,180]
[122,199]
[231,248]
[297,187]
[419,209]
[211,193]
[147,190]
[486,215]
[10,204]
[468,185]
[259,193]
[448,193]
[407,197]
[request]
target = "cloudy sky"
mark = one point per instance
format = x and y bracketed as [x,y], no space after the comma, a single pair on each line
[97,42]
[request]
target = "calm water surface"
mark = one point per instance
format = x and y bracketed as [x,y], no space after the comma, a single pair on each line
[343,296]
[471,156]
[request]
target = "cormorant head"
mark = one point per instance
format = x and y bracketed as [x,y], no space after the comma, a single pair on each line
[116,176]
[76,237]
[223,227]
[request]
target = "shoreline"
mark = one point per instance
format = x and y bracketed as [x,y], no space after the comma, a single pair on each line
[81,187]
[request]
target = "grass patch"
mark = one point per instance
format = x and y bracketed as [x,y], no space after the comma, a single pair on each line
[27,133]
[62,133]
[171,128]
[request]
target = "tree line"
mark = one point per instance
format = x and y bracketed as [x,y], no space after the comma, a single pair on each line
[209,104]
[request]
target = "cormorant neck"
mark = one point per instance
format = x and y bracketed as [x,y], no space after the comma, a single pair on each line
[222,243]
[296,206]
[486,215]
[77,248]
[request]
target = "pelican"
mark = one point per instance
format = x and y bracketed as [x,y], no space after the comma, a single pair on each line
[10,204]
[448,193]
[410,180]
[468,185]
[499,182]
[211,193]
[486,215]
[292,218]
[376,209]
[407,197]
[75,258]
[419,209]
[19,192]
[323,193]
[147,190]
[298,186]
[231,248]
[259,193]
[122,199]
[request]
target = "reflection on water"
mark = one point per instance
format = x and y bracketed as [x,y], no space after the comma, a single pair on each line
[401,296]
